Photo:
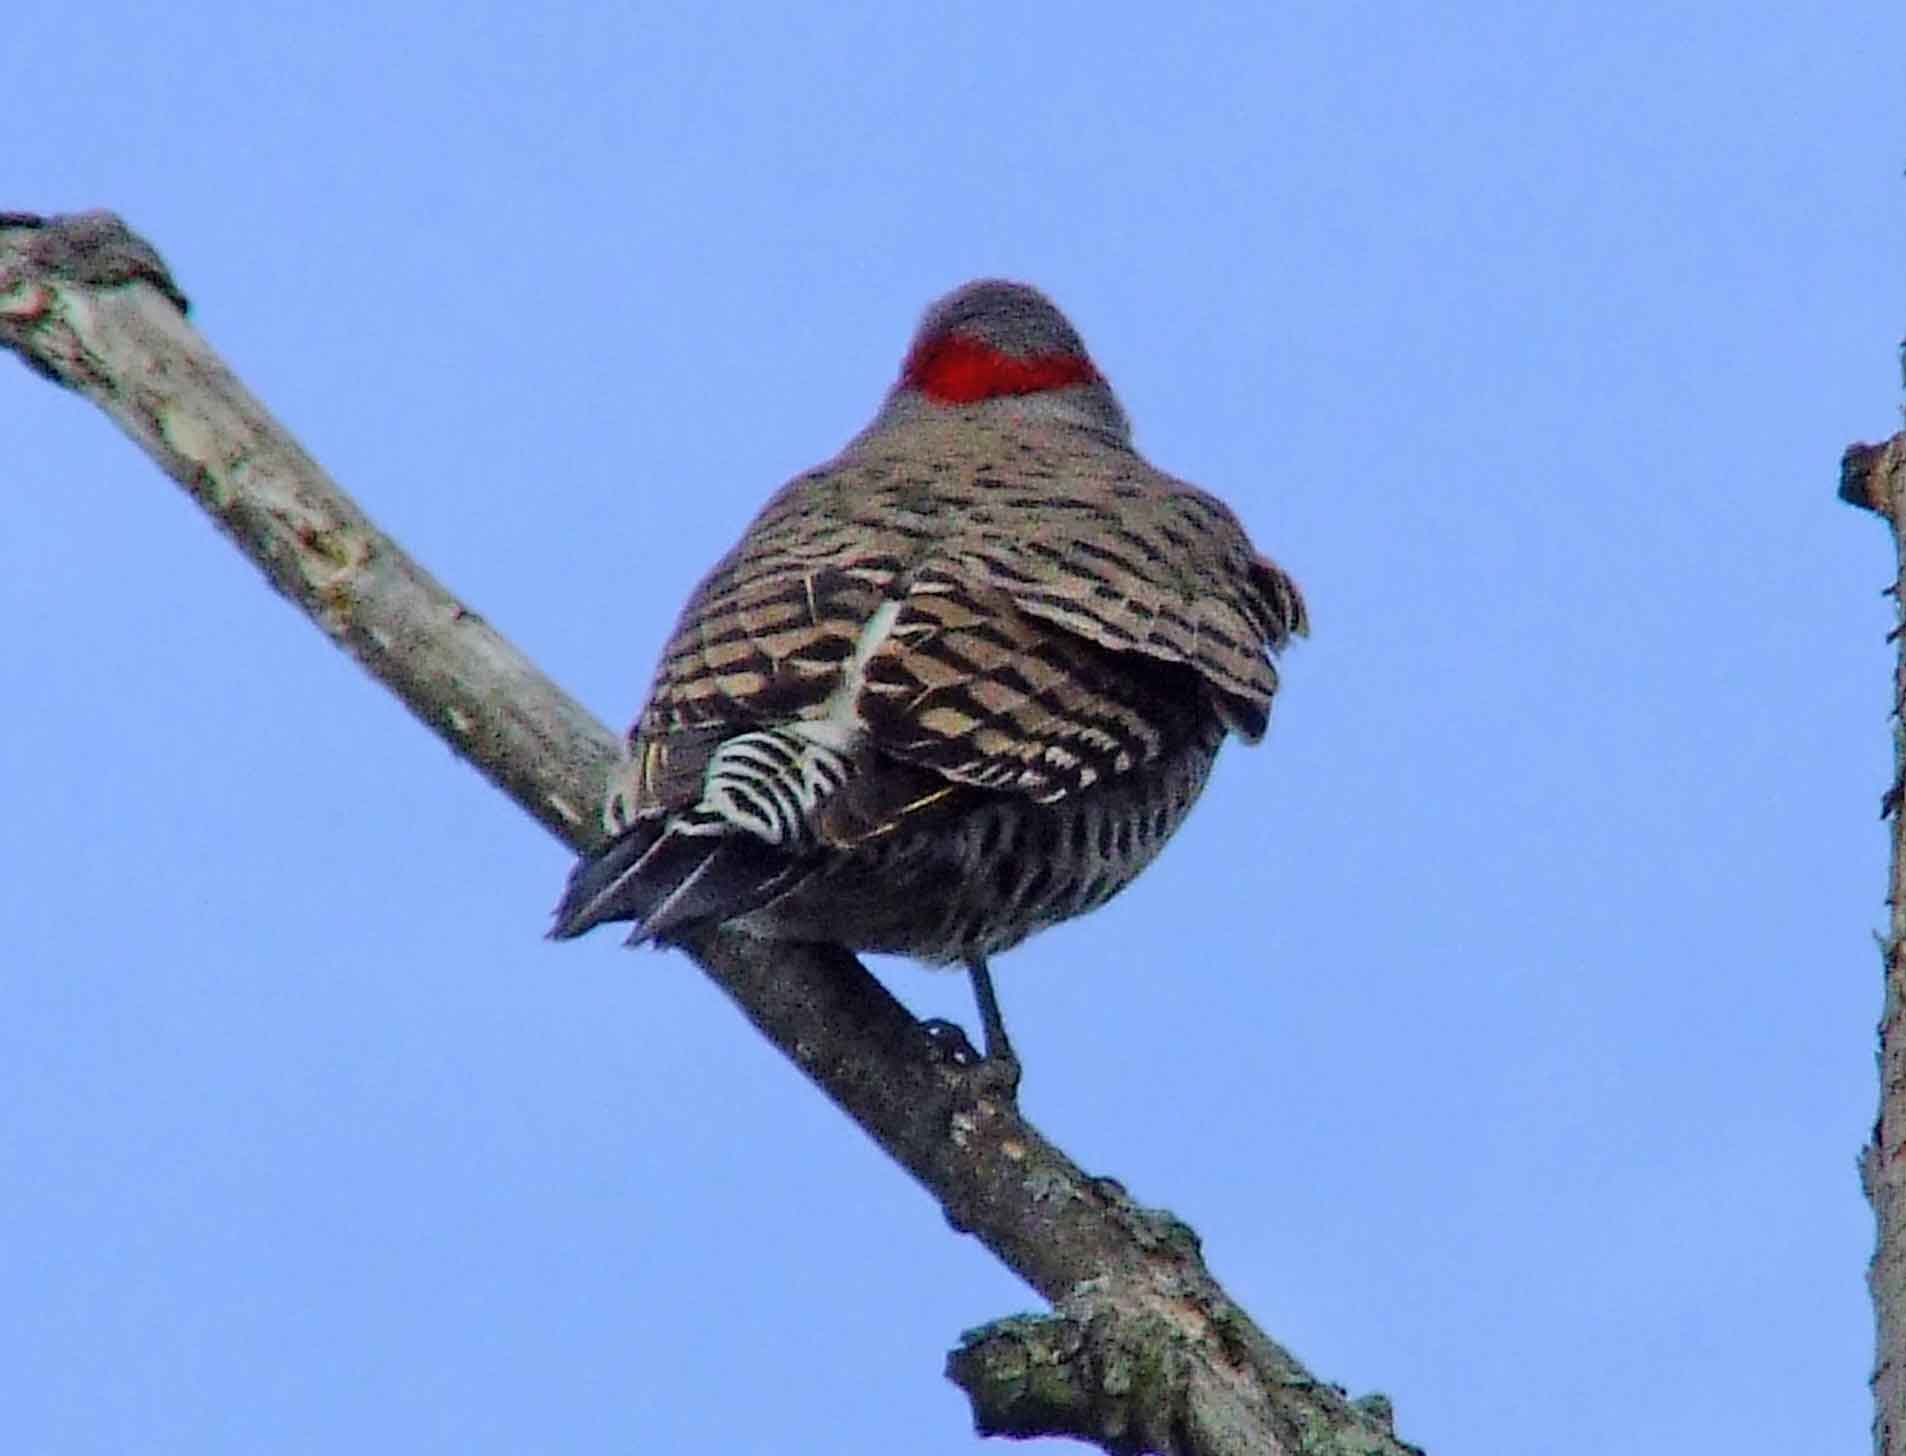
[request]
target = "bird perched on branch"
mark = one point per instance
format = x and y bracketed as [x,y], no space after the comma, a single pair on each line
[958,684]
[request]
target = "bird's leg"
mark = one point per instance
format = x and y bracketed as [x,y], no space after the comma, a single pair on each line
[1001,1066]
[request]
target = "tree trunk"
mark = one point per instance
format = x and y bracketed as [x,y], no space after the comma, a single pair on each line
[1874,476]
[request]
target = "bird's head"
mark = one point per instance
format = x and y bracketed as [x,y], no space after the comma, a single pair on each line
[1003,349]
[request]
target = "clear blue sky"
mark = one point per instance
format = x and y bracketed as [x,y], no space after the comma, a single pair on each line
[1504,1023]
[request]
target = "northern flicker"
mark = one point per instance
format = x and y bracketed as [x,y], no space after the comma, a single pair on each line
[958,684]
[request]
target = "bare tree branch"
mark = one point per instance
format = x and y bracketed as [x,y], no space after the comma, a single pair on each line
[1874,476]
[1144,1351]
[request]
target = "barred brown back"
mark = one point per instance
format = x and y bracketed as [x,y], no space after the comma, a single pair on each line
[1039,574]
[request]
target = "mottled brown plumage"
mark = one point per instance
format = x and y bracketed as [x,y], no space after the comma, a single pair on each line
[958,683]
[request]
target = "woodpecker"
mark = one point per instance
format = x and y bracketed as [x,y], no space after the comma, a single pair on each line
[960,683]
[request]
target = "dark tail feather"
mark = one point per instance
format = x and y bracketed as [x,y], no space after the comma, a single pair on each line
[606,886]
[671,883]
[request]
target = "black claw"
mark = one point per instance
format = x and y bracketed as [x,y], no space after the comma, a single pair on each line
[995,1076]
[947,1043]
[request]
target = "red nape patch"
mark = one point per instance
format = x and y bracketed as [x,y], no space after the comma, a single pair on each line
[957,370]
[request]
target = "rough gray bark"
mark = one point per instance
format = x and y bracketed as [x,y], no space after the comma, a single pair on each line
[1144,1350]
[1874,476]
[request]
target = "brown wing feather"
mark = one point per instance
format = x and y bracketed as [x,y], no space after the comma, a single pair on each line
[988,695]
[1069,613]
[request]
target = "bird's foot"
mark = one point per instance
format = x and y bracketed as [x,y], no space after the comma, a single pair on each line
[947,1043]
[994,1076]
